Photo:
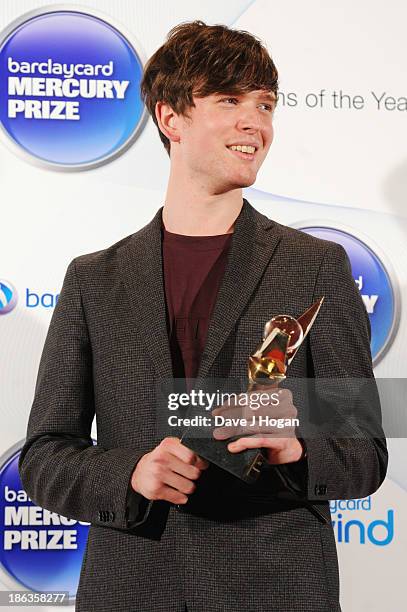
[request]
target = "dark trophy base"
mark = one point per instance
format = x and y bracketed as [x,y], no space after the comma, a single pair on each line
[245,465]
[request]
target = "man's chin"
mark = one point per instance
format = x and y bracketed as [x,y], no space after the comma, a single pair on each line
[237,182]
[242,179]
[246,182]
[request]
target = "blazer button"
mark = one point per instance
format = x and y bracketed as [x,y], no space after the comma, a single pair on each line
[321,489]
[105,516]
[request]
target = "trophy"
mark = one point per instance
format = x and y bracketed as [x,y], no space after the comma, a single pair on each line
[282,337]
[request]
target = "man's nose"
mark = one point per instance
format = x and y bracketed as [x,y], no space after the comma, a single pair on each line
[249,120]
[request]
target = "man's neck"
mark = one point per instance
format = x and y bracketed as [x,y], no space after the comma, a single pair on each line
[193,212]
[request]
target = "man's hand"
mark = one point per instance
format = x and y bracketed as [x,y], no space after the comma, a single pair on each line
[280,449]
[168,472]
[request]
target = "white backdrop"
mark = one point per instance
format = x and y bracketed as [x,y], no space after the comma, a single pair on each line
[330,164]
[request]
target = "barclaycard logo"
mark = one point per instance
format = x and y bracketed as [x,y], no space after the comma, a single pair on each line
[40,550]
[69,88]
[8,297]
[32,298]
[38,300]
[360,530]
[374,279]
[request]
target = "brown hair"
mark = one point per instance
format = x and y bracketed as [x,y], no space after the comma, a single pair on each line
[199,60]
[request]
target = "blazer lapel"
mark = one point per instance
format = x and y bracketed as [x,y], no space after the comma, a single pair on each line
[254,241]
[142,273]
[253,244]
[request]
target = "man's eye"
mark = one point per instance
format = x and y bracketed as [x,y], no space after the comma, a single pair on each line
[268,107]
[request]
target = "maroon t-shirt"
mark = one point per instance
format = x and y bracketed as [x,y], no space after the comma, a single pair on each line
[193,271]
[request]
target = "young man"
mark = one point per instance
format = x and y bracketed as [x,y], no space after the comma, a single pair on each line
[188,295]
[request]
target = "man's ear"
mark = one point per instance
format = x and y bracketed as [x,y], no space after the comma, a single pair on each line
[168,121]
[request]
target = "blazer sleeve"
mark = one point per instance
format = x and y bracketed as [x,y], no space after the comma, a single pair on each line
[60,467]
[350,461]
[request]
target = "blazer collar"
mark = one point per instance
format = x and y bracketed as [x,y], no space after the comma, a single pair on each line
[142,273]
[254,241]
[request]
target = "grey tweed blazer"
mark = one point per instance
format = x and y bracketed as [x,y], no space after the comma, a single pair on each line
[106,347]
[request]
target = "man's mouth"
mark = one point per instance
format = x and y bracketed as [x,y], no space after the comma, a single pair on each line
[243,151]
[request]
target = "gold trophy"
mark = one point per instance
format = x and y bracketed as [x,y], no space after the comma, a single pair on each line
[282,337]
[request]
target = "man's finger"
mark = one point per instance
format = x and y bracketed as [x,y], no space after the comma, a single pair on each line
[181,484]
[177,465]
[173,496]
[182,452]
[256,441]
[201,463]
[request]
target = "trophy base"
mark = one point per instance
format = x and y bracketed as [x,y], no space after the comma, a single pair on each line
[245,465]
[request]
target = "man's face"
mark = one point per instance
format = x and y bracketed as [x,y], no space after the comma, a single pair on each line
[216,126]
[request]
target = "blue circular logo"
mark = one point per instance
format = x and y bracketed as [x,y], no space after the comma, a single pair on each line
[373,281]
[69,89]
[41,550]
[8,296]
